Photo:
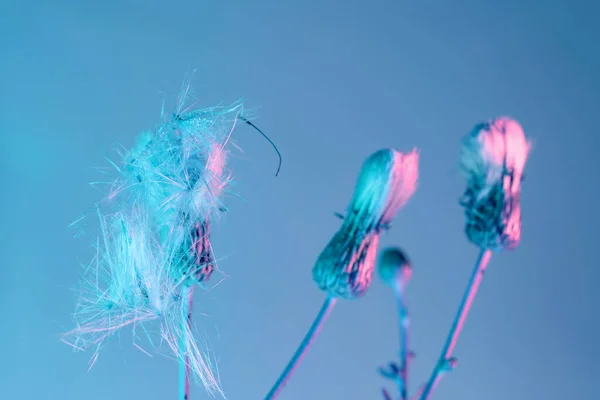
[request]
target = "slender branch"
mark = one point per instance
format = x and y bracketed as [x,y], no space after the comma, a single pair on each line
[386,395]
[184,363]
[445,362]
[302,349]
[416,395]
[403,329]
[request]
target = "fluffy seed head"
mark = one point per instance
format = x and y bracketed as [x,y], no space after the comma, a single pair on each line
[386,181]
[154,240]
[493,158]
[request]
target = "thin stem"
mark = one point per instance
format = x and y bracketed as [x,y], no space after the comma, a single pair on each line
[184,362]
[416,395]
[445,360]
[386,395]
[302,349]
[268,140]
[403,329]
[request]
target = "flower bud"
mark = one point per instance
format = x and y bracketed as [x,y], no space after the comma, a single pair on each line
[493,158]
[394,268]
[386,181]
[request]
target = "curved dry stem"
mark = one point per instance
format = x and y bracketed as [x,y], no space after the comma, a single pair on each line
[445,361]
[302,349]
[184,363]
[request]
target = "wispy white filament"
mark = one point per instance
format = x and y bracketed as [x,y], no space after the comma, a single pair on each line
[166,187]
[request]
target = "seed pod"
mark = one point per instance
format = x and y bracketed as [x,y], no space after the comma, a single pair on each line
[386,181]
[493,158]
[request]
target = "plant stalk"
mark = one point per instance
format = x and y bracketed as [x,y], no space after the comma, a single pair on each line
[403,323]
[445,361]
[303,348]
[184,364]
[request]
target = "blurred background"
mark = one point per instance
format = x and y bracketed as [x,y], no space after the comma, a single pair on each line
[331,81]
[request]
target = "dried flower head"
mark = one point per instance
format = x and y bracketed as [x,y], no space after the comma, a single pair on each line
[154,237]
[386,181]
[395,269]
[493,158]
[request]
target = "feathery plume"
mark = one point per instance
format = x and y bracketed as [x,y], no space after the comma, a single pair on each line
[154,240]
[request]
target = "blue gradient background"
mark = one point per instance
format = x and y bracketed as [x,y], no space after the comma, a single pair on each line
[334,81]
